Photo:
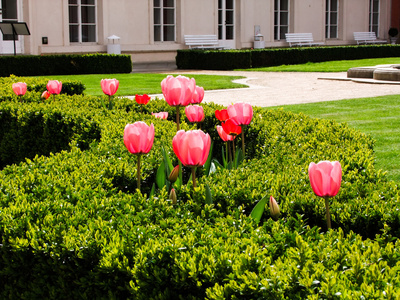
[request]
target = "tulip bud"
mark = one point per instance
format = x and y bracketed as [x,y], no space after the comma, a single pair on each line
[274,208]
[45,95]
[172,196]
[173,176]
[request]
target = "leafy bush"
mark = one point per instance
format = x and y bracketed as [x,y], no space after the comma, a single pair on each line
[243,59]
[74,226]
[36,65]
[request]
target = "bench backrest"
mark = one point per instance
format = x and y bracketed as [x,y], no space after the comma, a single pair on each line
[365,36]
[201,40]
[299,37]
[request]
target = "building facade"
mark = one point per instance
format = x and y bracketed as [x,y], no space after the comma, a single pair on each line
[152,30]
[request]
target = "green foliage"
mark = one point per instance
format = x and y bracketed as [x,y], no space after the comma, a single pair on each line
[73,225]
[244,59]
[34,65]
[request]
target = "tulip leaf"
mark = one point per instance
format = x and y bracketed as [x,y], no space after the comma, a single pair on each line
[167,161]
[238,157]
[224,160]
[153,188]
[208,195]
[258,210]
[207,165]
[160,175]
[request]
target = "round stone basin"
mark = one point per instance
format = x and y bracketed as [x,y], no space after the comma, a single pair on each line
[380,72]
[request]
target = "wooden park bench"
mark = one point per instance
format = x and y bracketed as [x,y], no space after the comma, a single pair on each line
[207,41]
[367,38]
[301,39]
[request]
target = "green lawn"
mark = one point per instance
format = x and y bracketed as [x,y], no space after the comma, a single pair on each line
[146,83]
[330,66]
[378,117]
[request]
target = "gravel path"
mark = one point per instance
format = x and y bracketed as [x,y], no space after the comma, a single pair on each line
[281,88]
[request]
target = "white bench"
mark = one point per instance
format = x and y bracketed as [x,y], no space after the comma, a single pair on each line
[301,39]
[207,41]
[367,38]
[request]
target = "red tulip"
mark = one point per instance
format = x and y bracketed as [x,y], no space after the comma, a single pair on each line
[198,95]
[325,178]
[223,135]
[139,137]
[195,113]
[142,99]
[192,147]
[178,91]
[54,87]
[240,113]
[222,115]
[45,95]
[109,86]
[19,88]
[161,115]
[231,128]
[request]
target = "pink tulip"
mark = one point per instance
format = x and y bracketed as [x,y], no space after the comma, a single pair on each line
[19,88]
[274,208]
[109,86]
[139,137]
[194,113]
[54,87]
[161,115]
[198,95]
[325,178]
[240,113]
[192,148]
[223,135]
[178,91]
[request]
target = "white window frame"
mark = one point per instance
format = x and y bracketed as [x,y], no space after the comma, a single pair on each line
[374,26]
[80,24]
[278,25]
[328,22]
[162,25]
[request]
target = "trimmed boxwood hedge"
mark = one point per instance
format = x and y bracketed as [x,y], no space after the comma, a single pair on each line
[66,64]
[73,225]
[244,59]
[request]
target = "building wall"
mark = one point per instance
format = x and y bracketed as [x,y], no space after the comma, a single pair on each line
[132,21]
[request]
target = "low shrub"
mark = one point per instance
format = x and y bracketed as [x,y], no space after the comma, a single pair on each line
[73,225]
[39,65]
[244,59]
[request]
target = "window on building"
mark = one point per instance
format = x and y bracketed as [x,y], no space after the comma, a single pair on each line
[226,17]
[374,16]
[281,19]
[82,21]
[164,20]
[9,14]
[331,19]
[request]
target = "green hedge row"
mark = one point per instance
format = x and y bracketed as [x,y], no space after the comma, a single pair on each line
[35,88]
[73,225]
[38,65]
[243,59]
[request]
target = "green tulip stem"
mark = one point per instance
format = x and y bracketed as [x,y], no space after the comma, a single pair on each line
[243,127]
[138,172]
[328,215]
[20,98]
[194,176]
[228,152]
[233,147]
[177,118]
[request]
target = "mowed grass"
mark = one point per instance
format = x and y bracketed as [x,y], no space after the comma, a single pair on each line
[331,66]
[378,117]
[145,83]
